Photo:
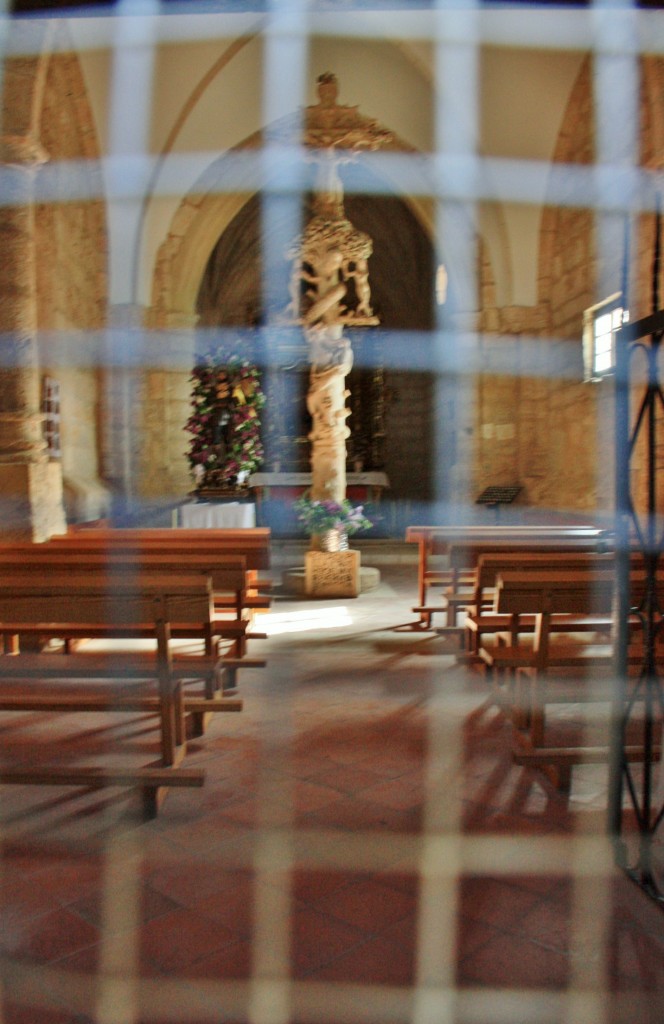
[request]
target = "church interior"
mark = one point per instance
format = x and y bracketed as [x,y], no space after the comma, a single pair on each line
[439,226]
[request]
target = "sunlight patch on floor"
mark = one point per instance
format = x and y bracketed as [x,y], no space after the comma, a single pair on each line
[275,623]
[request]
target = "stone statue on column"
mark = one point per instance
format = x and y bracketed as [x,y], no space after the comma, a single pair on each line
[329,286]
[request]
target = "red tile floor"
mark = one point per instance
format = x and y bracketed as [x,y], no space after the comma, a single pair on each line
[363,850]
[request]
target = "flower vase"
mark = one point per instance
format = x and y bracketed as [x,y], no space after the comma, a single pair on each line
[334,540]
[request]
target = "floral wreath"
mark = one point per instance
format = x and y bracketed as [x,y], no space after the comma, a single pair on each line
[226,389]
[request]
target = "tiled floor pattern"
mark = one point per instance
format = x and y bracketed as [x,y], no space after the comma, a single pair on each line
[363,850]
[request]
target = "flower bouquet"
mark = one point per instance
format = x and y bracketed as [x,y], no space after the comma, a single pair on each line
[225,446]
[319,517]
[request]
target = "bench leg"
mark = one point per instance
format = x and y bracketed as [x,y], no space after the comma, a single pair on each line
[152,797]
[522,700]
[173,730]
[168,743]
[229,680]
[536,714]
[11,644]
[564,778]
[180,726]
[211,690]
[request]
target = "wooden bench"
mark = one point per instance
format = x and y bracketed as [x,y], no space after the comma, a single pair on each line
[112,574]
[111,681]
[481,619]
[436,568]
[539,595]
[253,543]
[546,671]
[232,619]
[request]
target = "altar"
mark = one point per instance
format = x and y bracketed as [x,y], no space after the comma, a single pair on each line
[367,486]
[215,515]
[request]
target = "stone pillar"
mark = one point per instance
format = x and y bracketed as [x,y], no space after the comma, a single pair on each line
[30,484]
[455,477]
[121,394]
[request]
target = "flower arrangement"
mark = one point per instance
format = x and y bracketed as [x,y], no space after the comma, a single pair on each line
[225,446]
[319,516]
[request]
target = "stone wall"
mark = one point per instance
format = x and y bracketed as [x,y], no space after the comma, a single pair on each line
[582,263]
[498,393]
[164,467]
[544,426]
[159,406]
[538,424]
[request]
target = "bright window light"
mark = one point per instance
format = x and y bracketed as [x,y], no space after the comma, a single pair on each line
[606,326]
[601,323]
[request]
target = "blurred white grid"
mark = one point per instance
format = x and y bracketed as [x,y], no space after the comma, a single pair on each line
[457,177]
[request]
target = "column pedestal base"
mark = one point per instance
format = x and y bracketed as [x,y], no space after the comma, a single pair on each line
[294,581]
[31,502]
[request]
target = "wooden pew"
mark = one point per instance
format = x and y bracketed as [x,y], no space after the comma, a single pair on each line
[112,681]
[435,545]
[52,624]
[540,595]
[253,543]
[481,619]
[232,617]
[118,569]
[542,665]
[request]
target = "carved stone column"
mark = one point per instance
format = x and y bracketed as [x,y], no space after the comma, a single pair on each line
[329,284]
[30,484]
[326,402]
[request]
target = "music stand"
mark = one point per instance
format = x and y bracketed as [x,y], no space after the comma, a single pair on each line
[496,496]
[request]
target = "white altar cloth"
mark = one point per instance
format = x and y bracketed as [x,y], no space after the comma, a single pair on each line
[217,515]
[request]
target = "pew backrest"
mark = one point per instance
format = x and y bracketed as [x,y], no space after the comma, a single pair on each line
[84,598]
[492,564]
[437,540]
[547,593]
[227,572]
[255,547]
[550,592]
[466,555]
